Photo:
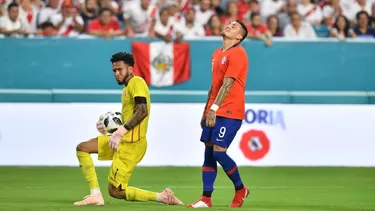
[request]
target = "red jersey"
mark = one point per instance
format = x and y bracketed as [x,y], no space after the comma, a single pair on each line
[96,25]
[232,63]
[261,29]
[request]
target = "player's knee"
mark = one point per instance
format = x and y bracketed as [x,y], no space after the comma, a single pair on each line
[81,147]
[115,193]
[219,148]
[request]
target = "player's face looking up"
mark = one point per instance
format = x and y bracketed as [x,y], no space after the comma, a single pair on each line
[121,71]
[233,31]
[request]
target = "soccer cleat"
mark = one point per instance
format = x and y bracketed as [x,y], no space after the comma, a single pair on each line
[93,199]
[203,202]
[168,198]
[239,197]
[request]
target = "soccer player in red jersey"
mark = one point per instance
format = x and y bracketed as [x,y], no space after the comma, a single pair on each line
[224,112]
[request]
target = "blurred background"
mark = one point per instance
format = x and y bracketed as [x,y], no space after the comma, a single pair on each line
[310,93]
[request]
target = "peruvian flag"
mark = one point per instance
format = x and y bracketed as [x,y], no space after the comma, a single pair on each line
[162,64]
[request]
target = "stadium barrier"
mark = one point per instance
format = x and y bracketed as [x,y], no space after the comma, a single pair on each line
[271,135]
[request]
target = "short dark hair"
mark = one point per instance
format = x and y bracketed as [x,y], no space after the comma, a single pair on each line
[13,4]
[127,58]
[105,9]
[253,15]
[362,13]
[244,30]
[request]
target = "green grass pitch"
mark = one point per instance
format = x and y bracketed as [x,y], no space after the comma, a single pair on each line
[272,189]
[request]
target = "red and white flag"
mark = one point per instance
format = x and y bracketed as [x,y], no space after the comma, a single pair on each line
[162,64]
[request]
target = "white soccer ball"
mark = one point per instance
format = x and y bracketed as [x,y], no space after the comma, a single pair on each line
[111,121]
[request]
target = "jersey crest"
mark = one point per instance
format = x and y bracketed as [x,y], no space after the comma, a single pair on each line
[223,60]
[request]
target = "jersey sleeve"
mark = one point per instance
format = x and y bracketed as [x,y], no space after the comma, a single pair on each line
[236,63]
[139,88]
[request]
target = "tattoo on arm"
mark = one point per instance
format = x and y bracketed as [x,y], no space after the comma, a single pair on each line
[208,97]
[139,114]
[224,90]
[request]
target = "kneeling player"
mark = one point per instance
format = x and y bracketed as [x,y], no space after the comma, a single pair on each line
[127,146]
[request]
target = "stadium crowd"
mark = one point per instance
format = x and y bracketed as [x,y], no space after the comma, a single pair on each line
[177,19]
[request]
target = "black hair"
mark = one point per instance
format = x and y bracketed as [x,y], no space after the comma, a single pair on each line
[244,29]
[13,4]
[347,25]
[253,15]
[362,12]
[104,10]
[127,58]
[162,10]
[46,25]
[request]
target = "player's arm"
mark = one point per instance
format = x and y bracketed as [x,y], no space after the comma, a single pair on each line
[224,90]
[140,112]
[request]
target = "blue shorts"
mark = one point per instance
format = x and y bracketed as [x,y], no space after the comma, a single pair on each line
[223,133]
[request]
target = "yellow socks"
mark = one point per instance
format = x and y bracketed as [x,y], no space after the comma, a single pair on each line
[135,194]
[88,170]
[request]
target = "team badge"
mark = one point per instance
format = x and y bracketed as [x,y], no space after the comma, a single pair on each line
[223,60]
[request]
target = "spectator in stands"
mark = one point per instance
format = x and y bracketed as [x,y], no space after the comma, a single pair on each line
[140,17]
[215,6]
[164,27]
[38,4]
[112,5]
[311,12]
[214,26]
[89,11]
[330,10]
[356,7]
[342,29]
[372,20]
[191,29]
[231,14]
[363,29]
[258,30]
[243,7]
[52,9]
[253,8]
[11,24]
[106,25]
[175,15]
[68,22]
[203,12]
[271,7]
[284,17]
[273,26]
[28,13]
[298,28]
[47,29]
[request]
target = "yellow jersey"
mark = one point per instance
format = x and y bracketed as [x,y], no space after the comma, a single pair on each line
[136,87]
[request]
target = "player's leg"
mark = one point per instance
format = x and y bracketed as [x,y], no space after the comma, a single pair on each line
[124,162]
[84,150]
[223,134]
[209,171]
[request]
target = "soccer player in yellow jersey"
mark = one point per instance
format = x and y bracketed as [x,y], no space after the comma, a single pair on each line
[125,147]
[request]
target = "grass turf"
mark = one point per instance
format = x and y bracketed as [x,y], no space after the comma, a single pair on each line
[272,189]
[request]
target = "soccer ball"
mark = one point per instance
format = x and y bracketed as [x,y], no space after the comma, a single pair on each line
[111,121]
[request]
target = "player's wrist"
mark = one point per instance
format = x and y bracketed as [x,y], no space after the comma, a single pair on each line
[214,107]
[127,128]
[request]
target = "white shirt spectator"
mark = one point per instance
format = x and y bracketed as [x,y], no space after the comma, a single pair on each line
[197,30]
[311,13]
[178,18]
[202,17]
[271,7]
[355,8]
[46,14]
[165,30]
[29,18]
[305,31]
[9,25]
[141,19]
[67,29]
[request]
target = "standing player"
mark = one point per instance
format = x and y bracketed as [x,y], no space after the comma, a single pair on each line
[127,146]
[224,112]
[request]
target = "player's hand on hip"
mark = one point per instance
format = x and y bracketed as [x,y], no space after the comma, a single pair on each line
[116,137]
[211,118]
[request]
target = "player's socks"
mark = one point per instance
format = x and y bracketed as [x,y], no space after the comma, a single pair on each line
[209,172]
[136,194]
[88,170]
[230,168]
